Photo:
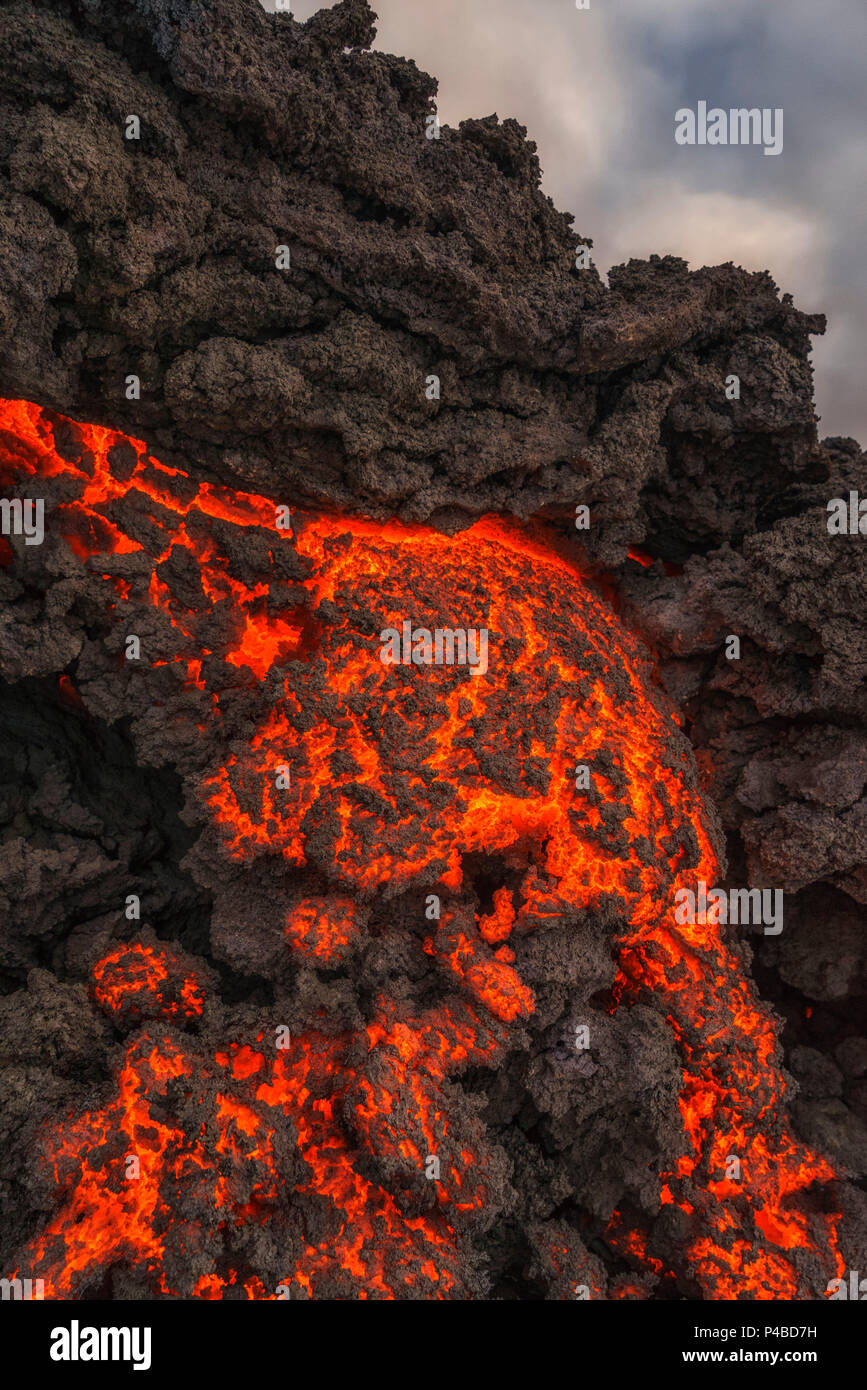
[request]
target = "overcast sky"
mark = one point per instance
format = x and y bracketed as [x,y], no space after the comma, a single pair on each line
[598,90]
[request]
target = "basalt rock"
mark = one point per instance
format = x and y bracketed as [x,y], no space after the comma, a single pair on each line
[409,257]
[283,260]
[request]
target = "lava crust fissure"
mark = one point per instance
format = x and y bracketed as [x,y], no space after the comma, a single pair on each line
[407,856]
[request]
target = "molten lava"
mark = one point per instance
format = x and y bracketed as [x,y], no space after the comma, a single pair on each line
[397,775]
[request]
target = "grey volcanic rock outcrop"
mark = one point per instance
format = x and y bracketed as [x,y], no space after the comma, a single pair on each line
[410,257]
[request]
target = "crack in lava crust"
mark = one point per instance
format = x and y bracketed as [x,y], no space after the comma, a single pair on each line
[398,773]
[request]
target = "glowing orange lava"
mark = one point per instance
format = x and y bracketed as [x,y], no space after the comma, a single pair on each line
[405,771]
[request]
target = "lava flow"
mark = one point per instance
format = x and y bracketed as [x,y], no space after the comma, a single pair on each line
[345,806]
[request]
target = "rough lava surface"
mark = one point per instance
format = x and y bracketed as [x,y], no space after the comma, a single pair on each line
[306,386]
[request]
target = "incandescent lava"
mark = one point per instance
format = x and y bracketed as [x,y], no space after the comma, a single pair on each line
[411,791]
